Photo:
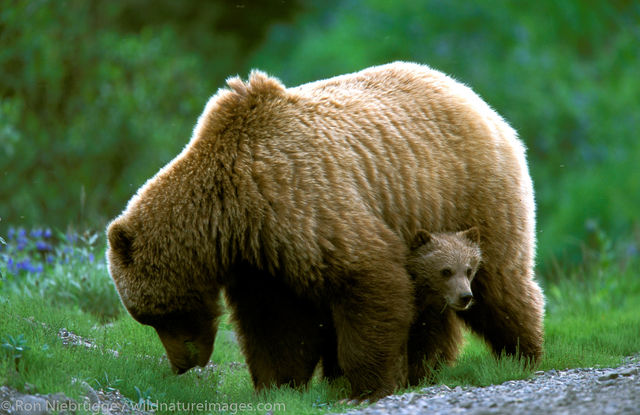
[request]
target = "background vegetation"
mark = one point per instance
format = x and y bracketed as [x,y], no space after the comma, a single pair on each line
[97,96]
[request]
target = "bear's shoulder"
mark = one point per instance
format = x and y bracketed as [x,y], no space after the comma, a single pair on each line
[238,101]
[258,85]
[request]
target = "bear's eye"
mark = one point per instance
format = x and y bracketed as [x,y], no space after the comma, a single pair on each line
[468,272]
[446,273]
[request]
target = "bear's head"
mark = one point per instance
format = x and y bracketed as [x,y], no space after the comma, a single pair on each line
[163,292]
[443,265]
[173,246]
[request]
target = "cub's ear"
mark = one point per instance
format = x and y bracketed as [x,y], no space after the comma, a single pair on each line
[472,234]
[121,242]
[422,238]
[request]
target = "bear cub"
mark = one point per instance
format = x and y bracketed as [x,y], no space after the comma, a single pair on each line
[442,266]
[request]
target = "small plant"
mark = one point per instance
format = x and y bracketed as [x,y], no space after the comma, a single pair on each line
[15,347]
[46,350]
[144,397]
[106,384]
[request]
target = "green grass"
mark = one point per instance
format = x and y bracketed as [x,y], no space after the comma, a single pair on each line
[572,339]
[48,366]
[592,319]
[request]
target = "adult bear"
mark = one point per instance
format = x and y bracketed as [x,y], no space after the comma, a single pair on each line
[300,204]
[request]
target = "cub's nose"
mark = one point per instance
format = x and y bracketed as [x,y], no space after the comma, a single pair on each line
[465,300]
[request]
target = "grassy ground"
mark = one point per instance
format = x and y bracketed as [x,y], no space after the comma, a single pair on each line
[591,320]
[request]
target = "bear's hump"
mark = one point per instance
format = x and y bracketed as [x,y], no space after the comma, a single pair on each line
[259,84]
[242,96]
[237,101]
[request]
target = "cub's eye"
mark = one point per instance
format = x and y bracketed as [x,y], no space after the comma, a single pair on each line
[469,272]
[446,273]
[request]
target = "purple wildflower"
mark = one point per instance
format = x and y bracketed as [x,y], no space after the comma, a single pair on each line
[91,258]
[11,233]
[72,237]
[26,265]
[43,246]
[22,239]
[47,233]
[50,259]
[36,233]
[11,266]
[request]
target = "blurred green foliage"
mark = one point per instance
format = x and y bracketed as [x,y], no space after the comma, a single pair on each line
[97,96]
[95,100]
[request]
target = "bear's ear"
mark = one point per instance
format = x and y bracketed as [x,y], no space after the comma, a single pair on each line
[422,238]
[472,234]
[121,242]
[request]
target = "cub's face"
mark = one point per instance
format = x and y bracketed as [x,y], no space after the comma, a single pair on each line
[162,295]
[445,264]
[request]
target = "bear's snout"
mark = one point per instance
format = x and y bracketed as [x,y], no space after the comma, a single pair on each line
[465,300]
[460,302]
[184,358]
[178,370]
[185,350]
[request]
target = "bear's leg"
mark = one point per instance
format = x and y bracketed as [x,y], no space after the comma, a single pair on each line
[280,333]
[434,339]
[372,310]
[508,316]
[330,365]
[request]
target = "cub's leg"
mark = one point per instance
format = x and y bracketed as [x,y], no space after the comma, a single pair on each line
[434,339]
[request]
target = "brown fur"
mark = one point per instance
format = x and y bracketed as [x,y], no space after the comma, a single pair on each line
[442,266]
[323,186]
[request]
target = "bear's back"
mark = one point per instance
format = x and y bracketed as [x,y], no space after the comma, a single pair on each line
[415,146]
[324,166]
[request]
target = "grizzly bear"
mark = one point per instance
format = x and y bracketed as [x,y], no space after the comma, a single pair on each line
[301,203]
[442,266]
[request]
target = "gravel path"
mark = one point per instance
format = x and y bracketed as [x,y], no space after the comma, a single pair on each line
[576,391]
[573,392]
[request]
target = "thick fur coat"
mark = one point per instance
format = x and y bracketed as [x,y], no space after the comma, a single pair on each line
[300,204]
